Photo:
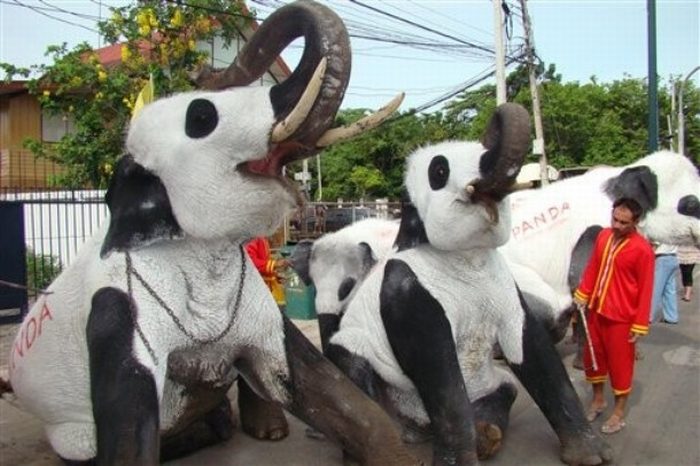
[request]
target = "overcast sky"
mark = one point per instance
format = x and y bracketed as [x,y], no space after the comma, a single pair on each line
[605,38]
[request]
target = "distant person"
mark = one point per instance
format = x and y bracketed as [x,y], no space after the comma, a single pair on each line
[616,286]
[664,304]
[320,224]
[270,269]
[688,256]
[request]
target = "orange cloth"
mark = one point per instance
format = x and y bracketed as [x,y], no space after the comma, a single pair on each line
[259,251]
[618,281]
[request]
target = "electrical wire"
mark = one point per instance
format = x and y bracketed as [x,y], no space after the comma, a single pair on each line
[41,11]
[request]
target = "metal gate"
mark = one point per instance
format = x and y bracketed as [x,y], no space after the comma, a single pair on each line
[44,232]
[13,271]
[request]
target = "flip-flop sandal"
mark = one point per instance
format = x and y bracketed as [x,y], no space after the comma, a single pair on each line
[593,413]
[613,427]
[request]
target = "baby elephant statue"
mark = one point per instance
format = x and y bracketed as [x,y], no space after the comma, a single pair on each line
[418,334]
[129,357]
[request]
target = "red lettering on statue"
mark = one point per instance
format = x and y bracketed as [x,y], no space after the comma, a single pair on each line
[547,218]
[29,333]
[540,218]
[45,313]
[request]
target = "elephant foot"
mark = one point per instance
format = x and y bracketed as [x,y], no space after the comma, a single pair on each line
[261,419]
[215,427]
[489,439]
[586,449]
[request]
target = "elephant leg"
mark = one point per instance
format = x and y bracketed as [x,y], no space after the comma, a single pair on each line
[579,336]
[123,391]
[492,414]
[324,398]
[543,375]
[214,427]
[261,419]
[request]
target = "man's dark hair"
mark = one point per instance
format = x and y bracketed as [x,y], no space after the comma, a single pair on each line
[632,205]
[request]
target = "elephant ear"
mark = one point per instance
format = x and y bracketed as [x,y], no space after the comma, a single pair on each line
[369,259]
[139,207]
[638,183]
[412,229]
[300,260]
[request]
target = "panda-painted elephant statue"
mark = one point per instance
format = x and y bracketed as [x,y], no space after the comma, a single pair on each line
[338,262]
[128,358]
[419,331]
[564,217]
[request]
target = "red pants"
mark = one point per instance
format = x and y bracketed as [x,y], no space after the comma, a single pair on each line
[614,354]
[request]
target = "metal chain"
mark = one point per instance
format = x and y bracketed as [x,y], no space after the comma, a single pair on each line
[130,270]
[132,310]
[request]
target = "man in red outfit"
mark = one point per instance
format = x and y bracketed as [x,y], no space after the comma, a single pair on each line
[617,287]
[270,269]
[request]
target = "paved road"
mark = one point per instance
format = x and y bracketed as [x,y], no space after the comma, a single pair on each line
[663,423]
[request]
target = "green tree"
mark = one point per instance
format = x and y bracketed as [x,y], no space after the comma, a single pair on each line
[351,169]
[157,38]
[584,125]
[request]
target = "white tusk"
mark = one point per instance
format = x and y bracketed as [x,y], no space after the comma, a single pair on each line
[296,117]
[360,126]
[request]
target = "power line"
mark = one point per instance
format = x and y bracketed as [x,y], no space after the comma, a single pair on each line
[397,18]
[40,11]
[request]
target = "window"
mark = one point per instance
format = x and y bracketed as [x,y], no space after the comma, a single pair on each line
[54,127]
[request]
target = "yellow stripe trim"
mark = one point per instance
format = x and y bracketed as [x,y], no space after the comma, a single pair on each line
[270,266]
[581,296]
[604,293]
[622,392]
[640,329]
[601,266]
[597,379]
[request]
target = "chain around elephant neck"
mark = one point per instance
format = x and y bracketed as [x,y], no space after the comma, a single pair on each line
[132,272]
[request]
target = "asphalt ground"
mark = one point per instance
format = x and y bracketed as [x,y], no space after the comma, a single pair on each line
[663,419]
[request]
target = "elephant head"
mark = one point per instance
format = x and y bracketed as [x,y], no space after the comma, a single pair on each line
[209,163]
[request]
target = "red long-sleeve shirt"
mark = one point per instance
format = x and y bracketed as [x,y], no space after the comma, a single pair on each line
[618,281]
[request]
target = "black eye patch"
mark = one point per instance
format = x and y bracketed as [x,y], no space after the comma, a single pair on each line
[438,172]
[201,118]
[345,288]
[689,205]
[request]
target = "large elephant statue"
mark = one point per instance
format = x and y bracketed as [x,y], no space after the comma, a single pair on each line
[138,341]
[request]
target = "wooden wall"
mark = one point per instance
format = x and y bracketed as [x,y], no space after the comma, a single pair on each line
[20,118]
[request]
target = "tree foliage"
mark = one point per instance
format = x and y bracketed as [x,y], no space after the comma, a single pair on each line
[584,125]
[157,38]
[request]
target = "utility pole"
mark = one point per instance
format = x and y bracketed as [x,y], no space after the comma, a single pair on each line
[500,53]
[319,191]
[653,101]
[681,117]
[538,143]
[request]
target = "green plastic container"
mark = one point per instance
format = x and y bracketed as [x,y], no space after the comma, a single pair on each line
[299,297]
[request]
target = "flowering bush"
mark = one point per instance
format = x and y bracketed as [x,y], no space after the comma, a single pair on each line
[157,38]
